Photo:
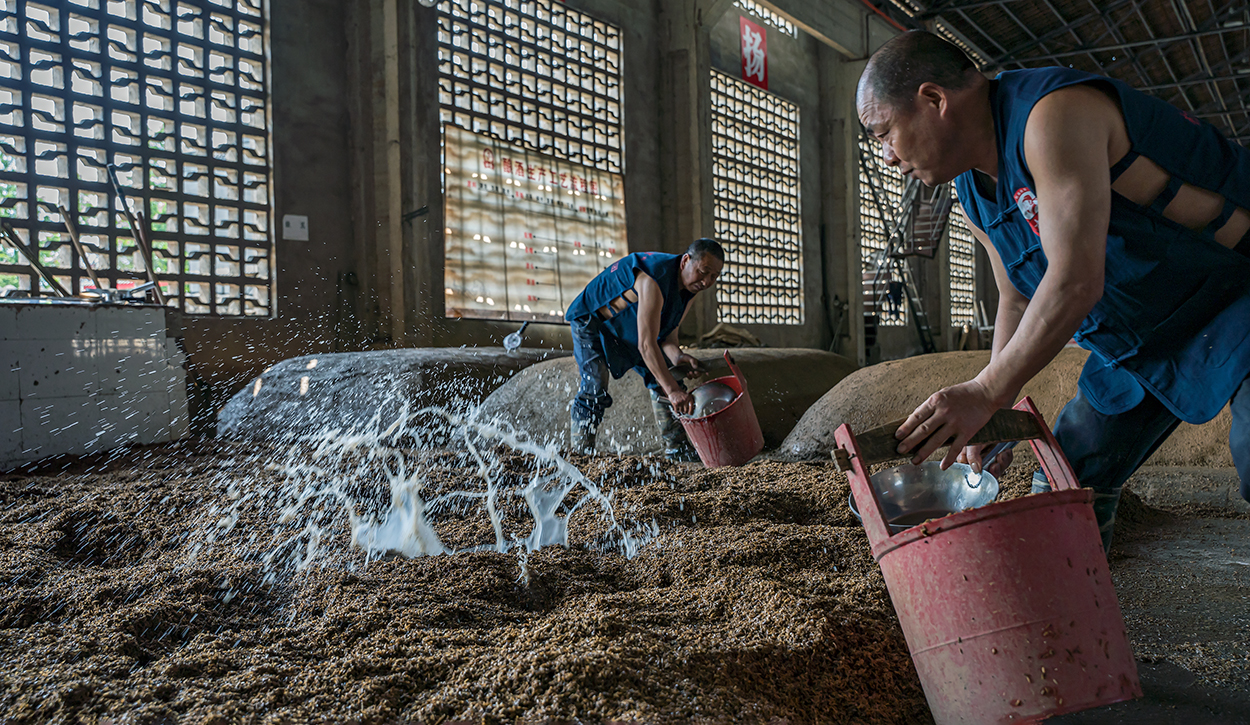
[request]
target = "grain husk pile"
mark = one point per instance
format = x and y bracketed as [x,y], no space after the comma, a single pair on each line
[758,600]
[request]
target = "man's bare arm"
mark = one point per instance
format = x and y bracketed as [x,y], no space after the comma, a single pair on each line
[1011,304]
[650,306]
[672,351]
[1067,145]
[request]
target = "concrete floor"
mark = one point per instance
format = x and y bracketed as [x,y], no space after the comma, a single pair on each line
[1183,579]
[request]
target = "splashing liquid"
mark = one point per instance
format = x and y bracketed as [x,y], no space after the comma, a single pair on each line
[331,475]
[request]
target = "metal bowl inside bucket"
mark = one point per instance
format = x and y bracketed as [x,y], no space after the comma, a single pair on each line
[711,398]
[910,495]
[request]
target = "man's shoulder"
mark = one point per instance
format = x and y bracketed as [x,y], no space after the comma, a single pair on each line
[656,263]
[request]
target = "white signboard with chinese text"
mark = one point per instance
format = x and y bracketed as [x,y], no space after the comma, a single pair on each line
[525,231]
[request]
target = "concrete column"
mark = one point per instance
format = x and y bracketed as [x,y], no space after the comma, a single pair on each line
[987,286]
[361,112]
[390,212]
[378,160]
[422,134]
[847,76]
[839,179]
[685,26]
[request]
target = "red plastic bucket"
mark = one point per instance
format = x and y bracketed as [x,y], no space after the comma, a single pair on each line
[731,436]
[1008,609]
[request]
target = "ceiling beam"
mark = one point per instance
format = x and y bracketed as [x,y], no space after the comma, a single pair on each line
[1015,55]
[1156,43]
[946,6]
[1184,83]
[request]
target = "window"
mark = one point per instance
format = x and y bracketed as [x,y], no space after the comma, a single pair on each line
[755,184]
[880,194]
[963,261]
[768,16]
[535,74]
[174,94]
[530,100]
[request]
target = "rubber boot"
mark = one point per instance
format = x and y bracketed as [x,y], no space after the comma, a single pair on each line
[582,435]
[1105,505]
[676,446]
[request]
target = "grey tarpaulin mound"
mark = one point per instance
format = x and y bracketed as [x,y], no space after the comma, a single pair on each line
[783,383]
[345,390]
[888,391]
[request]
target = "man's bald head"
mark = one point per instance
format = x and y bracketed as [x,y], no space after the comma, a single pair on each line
[896,71]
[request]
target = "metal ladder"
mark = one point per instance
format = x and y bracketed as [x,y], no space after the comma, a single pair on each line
[917,230]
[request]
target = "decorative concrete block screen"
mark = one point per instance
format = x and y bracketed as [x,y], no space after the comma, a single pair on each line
[963,267]
[880,194]
[755,184]
[537,85]
[173,93]
[768,16]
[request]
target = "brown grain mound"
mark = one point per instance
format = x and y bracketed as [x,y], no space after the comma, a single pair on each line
[759,600]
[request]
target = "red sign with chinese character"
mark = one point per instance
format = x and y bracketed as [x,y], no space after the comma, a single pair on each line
[754,53]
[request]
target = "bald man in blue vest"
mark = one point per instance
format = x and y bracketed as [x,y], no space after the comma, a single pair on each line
[627,317]
[1109,217]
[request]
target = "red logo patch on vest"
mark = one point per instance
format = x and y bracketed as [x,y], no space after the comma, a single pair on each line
[1026,201]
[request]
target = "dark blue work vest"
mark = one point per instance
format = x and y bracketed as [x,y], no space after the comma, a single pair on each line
[620,333]
[1174,318]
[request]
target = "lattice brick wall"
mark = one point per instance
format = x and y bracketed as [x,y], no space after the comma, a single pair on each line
[533,73]
[755,177]
[962,253]
[175,94]
[876,213]
[768,16]
[540,85]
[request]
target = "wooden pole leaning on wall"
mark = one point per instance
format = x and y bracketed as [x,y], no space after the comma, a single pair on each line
[31,253]
[78,247]
[141,239]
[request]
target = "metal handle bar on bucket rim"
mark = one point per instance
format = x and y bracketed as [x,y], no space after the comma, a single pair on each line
[1005,425]
[733,368]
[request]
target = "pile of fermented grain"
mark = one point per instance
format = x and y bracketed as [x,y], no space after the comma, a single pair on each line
[758,600]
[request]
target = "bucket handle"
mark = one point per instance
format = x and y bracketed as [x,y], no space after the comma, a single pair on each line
[733,367]
[1054,464]
[850,458]
[849,455]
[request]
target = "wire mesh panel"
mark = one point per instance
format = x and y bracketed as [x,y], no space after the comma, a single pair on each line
[755,183]
[880,193]
[173,93]
[530,99]
[963,267]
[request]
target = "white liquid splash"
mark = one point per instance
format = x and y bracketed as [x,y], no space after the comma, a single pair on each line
[332,475]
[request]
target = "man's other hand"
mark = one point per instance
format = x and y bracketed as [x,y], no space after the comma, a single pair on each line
[681,401]
[974,455]
[693,363]
[950,416]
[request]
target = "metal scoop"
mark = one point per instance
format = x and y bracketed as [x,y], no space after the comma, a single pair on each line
[708,398]
[974,479]
[513,340]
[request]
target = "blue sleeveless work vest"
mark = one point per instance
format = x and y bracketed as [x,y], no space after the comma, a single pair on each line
[1174,318]
[620,332]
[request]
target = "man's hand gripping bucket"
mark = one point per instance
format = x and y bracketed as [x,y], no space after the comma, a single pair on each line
[1008,609]
[731,436]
